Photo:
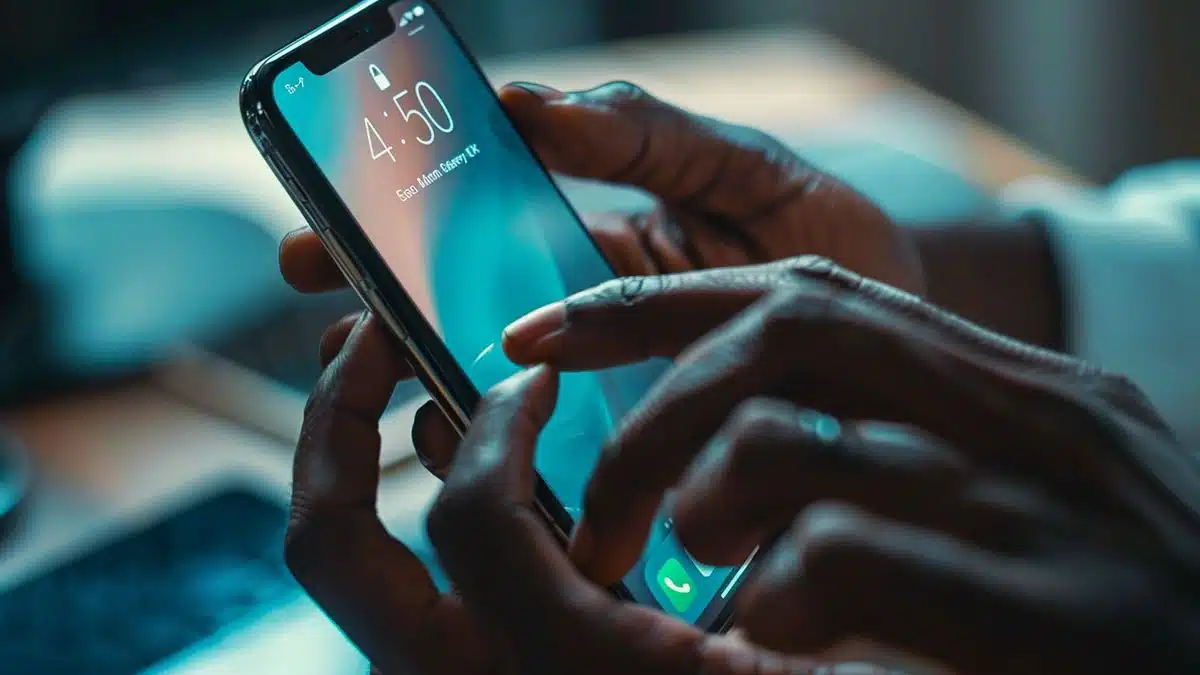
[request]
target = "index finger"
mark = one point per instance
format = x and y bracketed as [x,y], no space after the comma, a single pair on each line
[632,319]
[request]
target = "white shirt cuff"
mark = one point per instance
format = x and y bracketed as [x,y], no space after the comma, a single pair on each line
[1129,260]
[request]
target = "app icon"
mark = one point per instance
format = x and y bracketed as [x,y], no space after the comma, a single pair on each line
[673,579]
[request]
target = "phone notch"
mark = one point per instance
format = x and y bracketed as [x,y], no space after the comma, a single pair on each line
[348,38]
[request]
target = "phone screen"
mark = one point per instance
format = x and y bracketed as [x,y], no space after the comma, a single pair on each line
[414,141]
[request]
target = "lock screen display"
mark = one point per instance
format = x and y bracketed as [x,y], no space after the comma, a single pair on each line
[412,138]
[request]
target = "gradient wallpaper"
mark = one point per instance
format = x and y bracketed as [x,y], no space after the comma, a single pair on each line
[474,230]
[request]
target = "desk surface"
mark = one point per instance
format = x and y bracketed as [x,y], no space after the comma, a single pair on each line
[108,457]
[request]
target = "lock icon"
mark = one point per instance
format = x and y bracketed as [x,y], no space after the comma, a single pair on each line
[381,80]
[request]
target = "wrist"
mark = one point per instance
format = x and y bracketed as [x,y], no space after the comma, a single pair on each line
[1000,274]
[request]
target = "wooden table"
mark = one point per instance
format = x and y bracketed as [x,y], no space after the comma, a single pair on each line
[112,456]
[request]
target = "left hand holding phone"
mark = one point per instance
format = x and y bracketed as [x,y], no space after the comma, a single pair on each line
[726,195]
[522,607]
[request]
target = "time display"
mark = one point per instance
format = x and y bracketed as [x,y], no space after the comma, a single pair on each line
[422,106]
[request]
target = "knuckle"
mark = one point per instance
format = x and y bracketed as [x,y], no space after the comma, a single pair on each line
[808,266]
[756,433]
[760,418]
[820,269]
[623,292]
[634,290]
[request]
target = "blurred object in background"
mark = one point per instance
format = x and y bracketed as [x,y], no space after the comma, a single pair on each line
[123,247]
[21,306]
[1099,85]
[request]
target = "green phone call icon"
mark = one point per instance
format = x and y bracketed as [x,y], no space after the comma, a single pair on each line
[675,583]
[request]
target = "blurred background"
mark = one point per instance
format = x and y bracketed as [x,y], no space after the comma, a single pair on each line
[154,365]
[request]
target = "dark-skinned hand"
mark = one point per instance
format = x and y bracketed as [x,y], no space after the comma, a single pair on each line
[726,195]
[521,607]
[916,481]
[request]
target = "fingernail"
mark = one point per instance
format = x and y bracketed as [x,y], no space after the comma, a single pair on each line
[290,235]
[581,547]
[537,336]
[539,90]
[363,316]
[357,330]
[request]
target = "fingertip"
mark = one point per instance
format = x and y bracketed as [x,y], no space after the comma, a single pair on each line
[728,545]
[524,102]
[541,391]
[335,338]
[527,397]
[604,569]
[358,340]
[537,336]
[434,439]
[287,253]
[371,354]
[530,92]
[305,264]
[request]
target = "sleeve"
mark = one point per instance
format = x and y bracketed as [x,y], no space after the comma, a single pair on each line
[1129,263]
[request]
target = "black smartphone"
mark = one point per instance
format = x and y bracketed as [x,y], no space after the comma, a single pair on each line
[390,139]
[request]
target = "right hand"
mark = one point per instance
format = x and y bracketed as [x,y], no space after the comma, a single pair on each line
[519,605]
[941,490]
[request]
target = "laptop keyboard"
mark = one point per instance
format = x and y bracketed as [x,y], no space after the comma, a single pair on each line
[136,601]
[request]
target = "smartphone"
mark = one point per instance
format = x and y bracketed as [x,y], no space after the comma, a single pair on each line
[390,139]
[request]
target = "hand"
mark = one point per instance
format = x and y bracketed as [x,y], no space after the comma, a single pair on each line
[727,195]
[959,496]
[521,607]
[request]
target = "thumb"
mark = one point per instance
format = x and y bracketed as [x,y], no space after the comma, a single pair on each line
[619,133]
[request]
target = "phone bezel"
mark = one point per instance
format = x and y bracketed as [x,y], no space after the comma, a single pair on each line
[379,289]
